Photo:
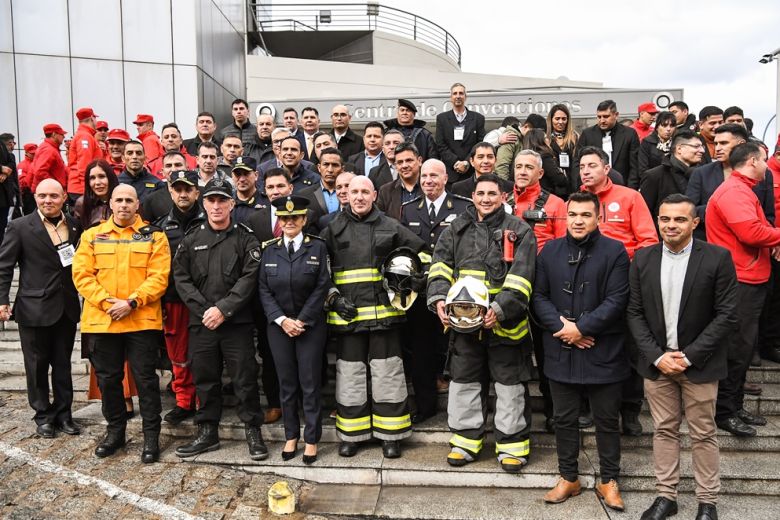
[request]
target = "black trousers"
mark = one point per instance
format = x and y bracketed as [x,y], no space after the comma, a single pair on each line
[44,347]
[299,366]
[3,220]
[769,326]
[142,351]
[750,300]
[605,405]
[268,375]
[634,387]
[230,345]
[424,348]
[544,384]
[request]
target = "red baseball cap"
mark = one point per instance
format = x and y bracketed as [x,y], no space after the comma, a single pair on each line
[30,147]
[118,134]
[650,108]
[143,118]
[53,128]
[84,113]
[101,124]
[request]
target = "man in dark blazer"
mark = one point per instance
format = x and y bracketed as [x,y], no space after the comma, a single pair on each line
[681,312]
[47,304]
[371,155]
[406,187]
[622,145]
[322,196]
[342,192]
[349,143]
[457,131]
[385,172]
[482,158]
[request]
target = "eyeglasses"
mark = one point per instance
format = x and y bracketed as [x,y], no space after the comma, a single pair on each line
[278,142]
[695,146]
[339,114]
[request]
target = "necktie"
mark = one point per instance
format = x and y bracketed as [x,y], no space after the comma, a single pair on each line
[277,229]
[309,145]
[290,248]
[432,213]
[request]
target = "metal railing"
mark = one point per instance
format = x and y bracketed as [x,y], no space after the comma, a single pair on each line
[354,17]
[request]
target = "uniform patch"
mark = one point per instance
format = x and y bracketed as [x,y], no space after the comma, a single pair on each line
[200,248]
[102,236]
[414,223]
[85,144]
[613,206]
[142,238]
[150,185]
[255,254]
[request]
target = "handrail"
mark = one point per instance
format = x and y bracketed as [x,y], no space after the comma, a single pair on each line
[357,17]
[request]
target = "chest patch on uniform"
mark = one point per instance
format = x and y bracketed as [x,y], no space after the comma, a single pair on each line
[613,206]
[150,185]
[450,218]
[200,248]
[414,223]
[171,226]
[101,236]
[142,238]
[313,262]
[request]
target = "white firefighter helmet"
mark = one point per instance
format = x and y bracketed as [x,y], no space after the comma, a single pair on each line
[466,304]
[397,271]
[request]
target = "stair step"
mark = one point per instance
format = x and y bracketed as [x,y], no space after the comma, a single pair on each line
[12,362]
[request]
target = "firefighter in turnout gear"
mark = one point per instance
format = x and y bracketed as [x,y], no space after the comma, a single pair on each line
[366,325]
[498,249]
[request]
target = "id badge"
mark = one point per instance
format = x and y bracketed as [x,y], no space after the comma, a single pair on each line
[66,252]
[459,132]
[563,160]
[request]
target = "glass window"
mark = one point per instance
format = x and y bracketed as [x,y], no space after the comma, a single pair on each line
[40,102]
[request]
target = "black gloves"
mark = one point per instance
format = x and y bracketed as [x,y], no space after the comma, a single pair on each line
[344,308]
[418,282]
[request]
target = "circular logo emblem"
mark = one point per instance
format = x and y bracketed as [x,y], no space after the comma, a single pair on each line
[289,206]
[613,206]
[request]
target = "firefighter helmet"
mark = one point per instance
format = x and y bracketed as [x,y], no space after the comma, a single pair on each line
[397,271]
[466,304]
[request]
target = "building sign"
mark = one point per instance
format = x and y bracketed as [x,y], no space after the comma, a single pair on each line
[494,106]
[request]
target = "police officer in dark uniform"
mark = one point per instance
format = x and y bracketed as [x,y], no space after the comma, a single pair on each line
[427,216]
[248,197]
[293,283]
[215,270]
[186,214]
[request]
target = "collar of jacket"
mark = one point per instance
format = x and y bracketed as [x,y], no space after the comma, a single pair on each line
[247,124]
[192,215]
[774,166]
[144,172]
[529,194]
[393,123]
[604,189]
[146,134]
[371,217]
[492,220]
[109,225]
[677,166]
[86,128]
[641,126]
[585,243]
[744,178]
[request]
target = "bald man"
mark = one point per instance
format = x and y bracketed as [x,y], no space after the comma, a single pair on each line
[121,269]
[46,307]
[349,143]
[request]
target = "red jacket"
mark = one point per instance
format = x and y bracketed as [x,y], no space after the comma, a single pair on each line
[24,172]
[48,164]
[774,167]
[83,150]
[118,167]
[624,216]
[548,229]
[736,221]
[153,148]
[155,167]
[642,130]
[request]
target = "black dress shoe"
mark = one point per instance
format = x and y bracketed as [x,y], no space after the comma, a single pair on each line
[391,449]
[735,426]
[178,415]
[45,430]
[69,427]
[289,455]
[748,418]
[110,444]
[254,439]
[662,508]
[584,421]
[151,451]
[348,449]
[707,512]
[631,425]
[309,459]
[771,354]
[421,417]
[207,440]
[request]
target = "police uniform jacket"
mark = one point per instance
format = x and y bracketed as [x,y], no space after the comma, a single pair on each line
[295,287]
[303,178]
[472,248]
[415,215]
[244,208]
[358,247]
[217,268]
[175,227]
[144,183]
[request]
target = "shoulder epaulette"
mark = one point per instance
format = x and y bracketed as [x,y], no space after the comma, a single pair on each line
[245,227]
[461,197]
[270,242]
[418,197]
[149,229]
[309,238]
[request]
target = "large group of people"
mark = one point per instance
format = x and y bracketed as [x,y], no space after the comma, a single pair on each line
[626,262]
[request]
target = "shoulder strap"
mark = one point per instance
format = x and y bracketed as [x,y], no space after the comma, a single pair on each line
[541,200]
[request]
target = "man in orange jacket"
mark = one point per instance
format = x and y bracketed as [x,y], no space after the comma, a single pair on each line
[153,148]
[623,216]
[83,150]
[48,163]
[121,269]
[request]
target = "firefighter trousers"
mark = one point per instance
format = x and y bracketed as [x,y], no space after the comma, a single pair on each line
[177,337]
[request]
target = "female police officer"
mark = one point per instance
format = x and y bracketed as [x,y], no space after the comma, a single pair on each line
[293,283]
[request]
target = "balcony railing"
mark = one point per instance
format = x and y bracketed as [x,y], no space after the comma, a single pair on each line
[354,17]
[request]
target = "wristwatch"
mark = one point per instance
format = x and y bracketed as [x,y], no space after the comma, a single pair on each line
[133,304]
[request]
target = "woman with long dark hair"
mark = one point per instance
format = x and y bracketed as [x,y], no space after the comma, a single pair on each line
[657,145]
[554,179]
[563,140]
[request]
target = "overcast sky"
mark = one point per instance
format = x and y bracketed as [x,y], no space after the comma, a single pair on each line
[709,48]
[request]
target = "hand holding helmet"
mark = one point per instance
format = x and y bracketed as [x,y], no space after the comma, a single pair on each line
[344,308]
[467,304]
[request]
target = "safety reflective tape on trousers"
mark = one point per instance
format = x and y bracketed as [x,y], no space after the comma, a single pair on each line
[353,425]
[366,313]
[472,445]
[357,276]
[517,449]
[392,423]
[517,332]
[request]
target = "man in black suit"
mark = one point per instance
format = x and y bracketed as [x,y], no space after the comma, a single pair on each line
[47,304]
[349,143]
[385,172]
[681,312]
[406,187]
[482,158]
[371,155]
[457,131]
[619,142]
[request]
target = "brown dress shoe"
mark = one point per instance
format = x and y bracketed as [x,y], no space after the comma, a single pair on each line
[752,389]
[610,493]
[562,491]
[272,415]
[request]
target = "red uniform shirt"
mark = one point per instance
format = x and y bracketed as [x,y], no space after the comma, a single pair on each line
[624,216]
[642,130]
[48,164]
[24,171]
[155,167]
[736,221]
[118,167]
[153,148]
[83,150]
[552,227]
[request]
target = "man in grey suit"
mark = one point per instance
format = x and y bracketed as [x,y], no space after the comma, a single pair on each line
[47,304]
